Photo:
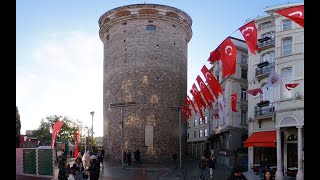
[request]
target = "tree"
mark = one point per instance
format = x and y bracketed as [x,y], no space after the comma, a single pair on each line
[66,132]
[18,128]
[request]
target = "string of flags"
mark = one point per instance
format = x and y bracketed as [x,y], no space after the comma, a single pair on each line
[226,52]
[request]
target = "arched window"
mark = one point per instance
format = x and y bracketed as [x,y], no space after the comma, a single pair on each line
[268,57]
[286,75]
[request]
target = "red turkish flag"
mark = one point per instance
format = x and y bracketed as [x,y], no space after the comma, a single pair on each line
[76,143]
[228,57]
[216,115]
[212,81]
[295,13]
[234,102]
[186,110]
[254,92]
[208,97]
[192,104]
[249,32]
[197,97]
[291,86]
[56,128]
[196,92]
[21,139]
[214,56]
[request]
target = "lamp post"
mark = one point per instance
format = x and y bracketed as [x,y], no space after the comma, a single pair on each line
[174,108]
[121,105]
[92,113]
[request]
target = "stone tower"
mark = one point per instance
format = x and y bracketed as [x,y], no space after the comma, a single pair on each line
[145,62]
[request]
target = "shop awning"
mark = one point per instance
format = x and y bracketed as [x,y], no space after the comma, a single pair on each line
[261,139]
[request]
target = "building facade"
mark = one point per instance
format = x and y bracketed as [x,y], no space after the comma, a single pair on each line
[231,128]
[197,135]
[276,116]
[145,63]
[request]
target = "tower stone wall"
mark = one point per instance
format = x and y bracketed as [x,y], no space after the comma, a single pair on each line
[145,61]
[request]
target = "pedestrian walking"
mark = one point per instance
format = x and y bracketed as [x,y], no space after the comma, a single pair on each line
[211,165]
[202,166]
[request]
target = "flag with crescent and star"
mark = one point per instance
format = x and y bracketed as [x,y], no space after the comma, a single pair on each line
[198,99]
[295,13]
[274,79]
[212,81]
[186,111]
[249,32]
[228,53]
[192,104]
[254,92]
[234,102]
[221,107]
[208,97]
[214,56]
[56,128]
[291,86]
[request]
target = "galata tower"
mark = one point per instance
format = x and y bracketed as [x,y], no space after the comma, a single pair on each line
[145,73]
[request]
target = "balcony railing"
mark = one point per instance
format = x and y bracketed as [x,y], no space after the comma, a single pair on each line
[266,43]
[264,111]
[265,69]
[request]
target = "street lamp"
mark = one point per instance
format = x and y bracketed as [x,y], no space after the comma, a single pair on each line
[174,108]
[92,113]
[121,105]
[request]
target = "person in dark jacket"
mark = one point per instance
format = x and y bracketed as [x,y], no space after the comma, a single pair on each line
[129,158]
[237,174]
[94,169]
[63,172]
[202,165]
[211,165]
[77,166]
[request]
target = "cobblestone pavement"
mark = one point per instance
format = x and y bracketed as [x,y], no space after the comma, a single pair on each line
[166,171]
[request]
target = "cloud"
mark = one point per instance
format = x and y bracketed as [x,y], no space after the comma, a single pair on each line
[74,51]
[67,80]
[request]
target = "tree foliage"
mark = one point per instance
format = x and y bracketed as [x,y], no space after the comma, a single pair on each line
[18,127]
[66,132]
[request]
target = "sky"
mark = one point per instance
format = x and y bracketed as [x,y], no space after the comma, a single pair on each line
[59,65]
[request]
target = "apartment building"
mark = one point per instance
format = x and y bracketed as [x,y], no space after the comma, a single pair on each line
[276,116]
[197,135]
[230,129]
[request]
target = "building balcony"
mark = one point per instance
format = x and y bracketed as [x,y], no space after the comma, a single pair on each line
[266,43]
[264,69]
[264,110]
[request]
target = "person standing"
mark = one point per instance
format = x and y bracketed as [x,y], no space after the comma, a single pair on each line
[129,158]
[264,166]
[202,166]
[267,175]
[237,174]
[211,165]
[175,157]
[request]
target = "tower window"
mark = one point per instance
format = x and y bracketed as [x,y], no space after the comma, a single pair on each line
[124,23]
[150,21]
[151,28]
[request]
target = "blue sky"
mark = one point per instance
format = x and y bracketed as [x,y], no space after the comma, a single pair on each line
[60,55]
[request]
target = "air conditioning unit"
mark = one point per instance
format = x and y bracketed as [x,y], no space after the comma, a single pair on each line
[298,95]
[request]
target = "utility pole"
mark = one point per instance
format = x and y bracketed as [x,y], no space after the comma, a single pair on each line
[121,106]
[92,113]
